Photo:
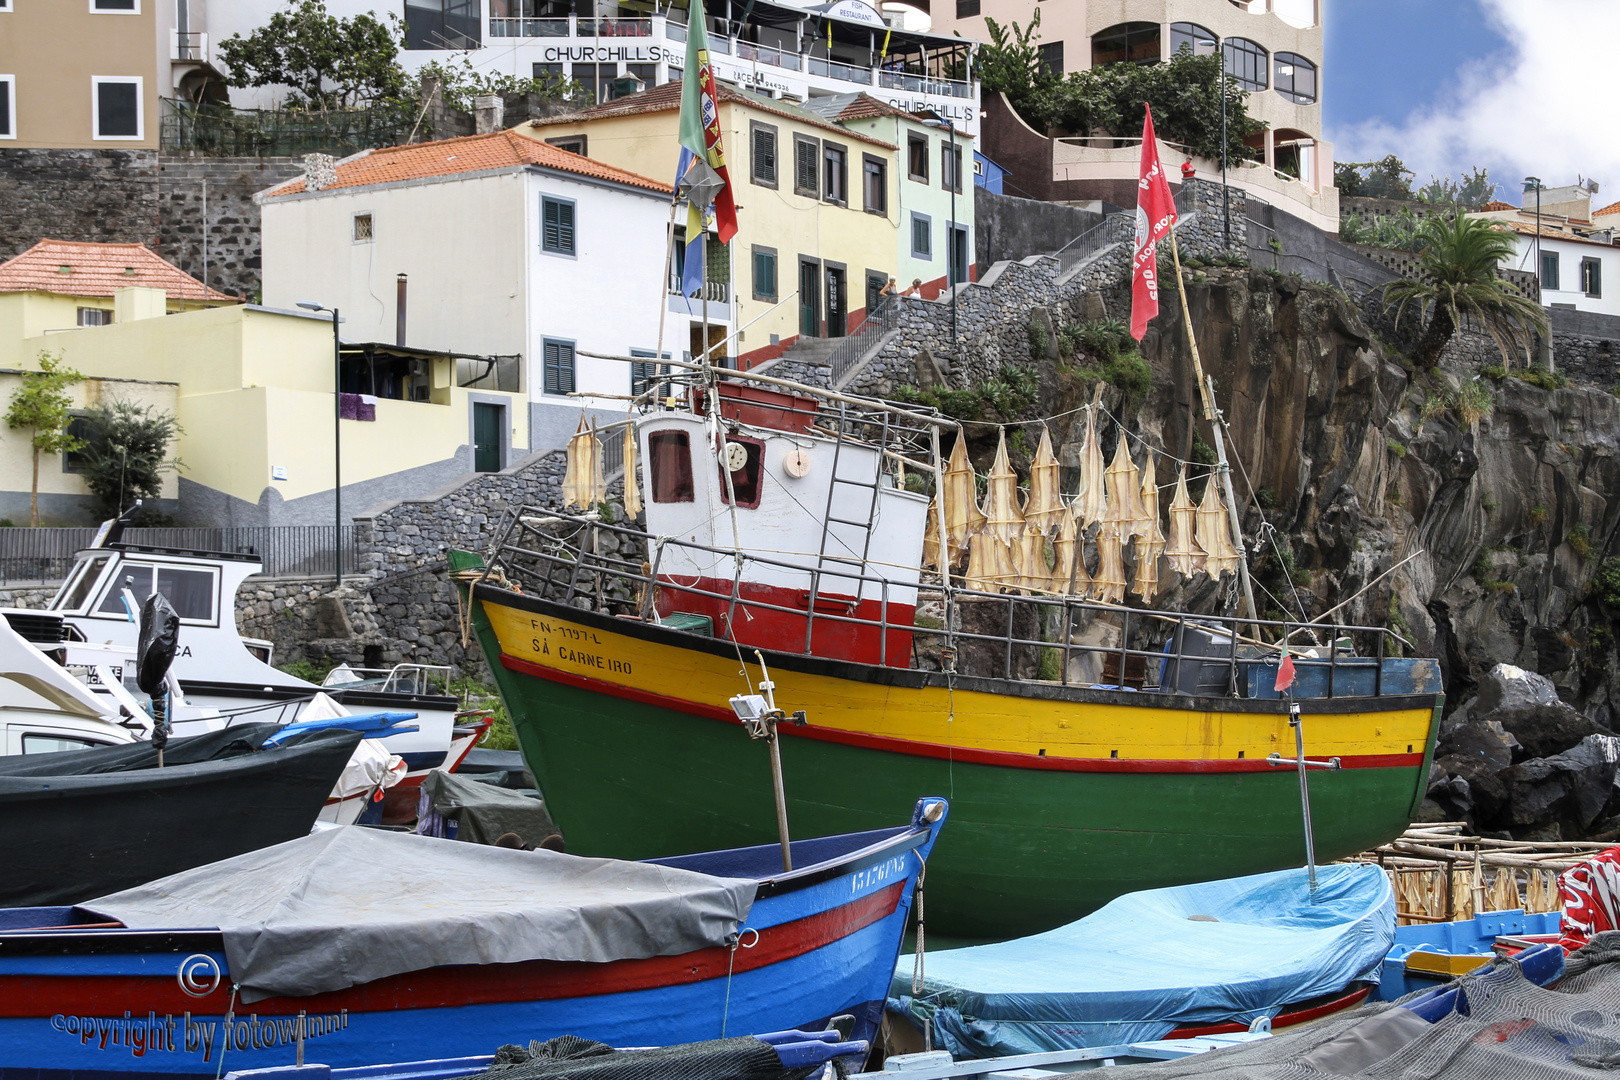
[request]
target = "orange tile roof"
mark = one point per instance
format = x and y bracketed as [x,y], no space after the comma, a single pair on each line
[470,153]
[1528,228]
[82,268]
[667,98]
[1612,208]
[867,107]
[1496,204]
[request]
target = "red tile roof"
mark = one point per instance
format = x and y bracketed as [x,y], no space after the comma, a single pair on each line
[1612,208]
[1496,204]
[867,107]
[471,153]
[667,98]
[75,268]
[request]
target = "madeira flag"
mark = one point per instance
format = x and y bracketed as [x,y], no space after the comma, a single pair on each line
[700,137]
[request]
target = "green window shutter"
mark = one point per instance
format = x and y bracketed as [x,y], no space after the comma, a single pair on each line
[557,226]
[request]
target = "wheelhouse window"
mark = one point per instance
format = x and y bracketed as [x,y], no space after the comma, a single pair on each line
[1245,62]
[1199,41]
[77,589]
[746,480]
[1296,78]
[1136,42]
[669,460]
[55,744]
[191,592]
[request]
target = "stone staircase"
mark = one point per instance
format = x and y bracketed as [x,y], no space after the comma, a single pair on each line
[805,361]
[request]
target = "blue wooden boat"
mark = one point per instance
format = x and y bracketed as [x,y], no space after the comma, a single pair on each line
[431,962]
[1427,954]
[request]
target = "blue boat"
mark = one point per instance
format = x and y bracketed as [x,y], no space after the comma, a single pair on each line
[394,947]
[1427,954]
[1189,960]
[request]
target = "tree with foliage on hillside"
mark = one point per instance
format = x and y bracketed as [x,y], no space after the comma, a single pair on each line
[1457,285]
[330,63]
[459,84]
[41,405]
[1185,94]
[127,453]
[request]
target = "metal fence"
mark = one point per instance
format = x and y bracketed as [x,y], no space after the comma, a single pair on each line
[45,555]
[220,129]
[849,350]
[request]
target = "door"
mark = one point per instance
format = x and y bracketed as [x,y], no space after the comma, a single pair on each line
[874,293]
[809,300]
[837,295]
[487,423]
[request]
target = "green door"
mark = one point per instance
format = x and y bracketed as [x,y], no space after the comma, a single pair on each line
[487,437]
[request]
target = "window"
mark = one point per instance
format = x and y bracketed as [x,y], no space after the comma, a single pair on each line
[1197,40]
[644,377]
[452,25]
[557,226]
[597,79]
[669,460]
[874,184]
[966,9]
[744,481]
[762,144]
[190,591]
[53,744]
[78,461]
[834,174]
[8,102]
[950,167]
[1592,278]
[647,73]
[1245,62]
[1052,58]
[1296,78]
[558,362]
[1549,270]
[362,228]
[549,72]
[675,73]
[116,102]
[806,154]
[94,316]
[917,157]
[957,256]
[76,591]
[922,236]
[764,273]
[117,7]
[1137,42]
[574,144]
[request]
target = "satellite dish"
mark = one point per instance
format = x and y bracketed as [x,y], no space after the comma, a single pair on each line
[736,456]
[796,464]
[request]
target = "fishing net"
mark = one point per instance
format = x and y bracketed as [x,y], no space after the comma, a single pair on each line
[1514,1030]
[571,1058]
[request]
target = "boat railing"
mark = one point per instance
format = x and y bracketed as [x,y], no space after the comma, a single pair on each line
[1051,639]
[420,679]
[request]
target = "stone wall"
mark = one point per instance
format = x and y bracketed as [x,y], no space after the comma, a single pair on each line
[109,196]
[1009,228]
[232,225]
[800,371]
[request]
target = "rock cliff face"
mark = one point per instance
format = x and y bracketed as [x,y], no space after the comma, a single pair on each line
[1499,494]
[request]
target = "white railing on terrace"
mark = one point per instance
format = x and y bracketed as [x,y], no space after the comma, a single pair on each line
[526,28]
[188,45]
[615,28]
[832,69]
[922,84]
[765,54]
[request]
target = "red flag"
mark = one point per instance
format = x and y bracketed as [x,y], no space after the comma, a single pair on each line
[1155,213]
[725,207]
[1285,673]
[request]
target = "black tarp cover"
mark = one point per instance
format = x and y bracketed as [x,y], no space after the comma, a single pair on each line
[348,906]
[484,811]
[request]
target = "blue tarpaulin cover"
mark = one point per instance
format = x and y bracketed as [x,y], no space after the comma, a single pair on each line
[1148,962]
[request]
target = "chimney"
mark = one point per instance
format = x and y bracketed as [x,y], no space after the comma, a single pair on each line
[399,310]
[320,172]
[489,110]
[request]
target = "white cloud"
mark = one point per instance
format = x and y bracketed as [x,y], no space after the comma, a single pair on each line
[1548,106]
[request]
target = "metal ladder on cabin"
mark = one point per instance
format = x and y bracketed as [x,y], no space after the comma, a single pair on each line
[828,561]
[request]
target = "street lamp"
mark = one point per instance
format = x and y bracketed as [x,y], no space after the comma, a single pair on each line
[337,440]
[950,240]
[1533,183]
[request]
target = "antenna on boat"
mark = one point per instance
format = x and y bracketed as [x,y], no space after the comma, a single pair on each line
[760,716]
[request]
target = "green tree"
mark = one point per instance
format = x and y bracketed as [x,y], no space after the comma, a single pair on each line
[458,85]
[1011,62]
[1472,192]
[1457,284]
[1388,178]
[330,63]
[127,454]
[41,405]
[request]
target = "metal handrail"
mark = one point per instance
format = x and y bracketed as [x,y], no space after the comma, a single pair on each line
[537,571]
[879,321]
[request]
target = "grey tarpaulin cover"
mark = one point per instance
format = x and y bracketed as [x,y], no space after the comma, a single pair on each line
[484,811]
[347,906]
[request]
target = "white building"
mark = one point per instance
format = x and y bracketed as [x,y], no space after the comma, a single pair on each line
[493,245]
[1579,264]
[776,48]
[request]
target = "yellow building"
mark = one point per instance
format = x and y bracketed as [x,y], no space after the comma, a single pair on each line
[817,207]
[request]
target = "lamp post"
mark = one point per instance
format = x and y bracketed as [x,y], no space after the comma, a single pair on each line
[950,240]
[1226,194]
[1533,183]
[337,441]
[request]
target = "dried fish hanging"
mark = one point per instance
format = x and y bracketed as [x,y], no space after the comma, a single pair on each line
[582,476]
[1214,533]
[1069,576]
[1109,584]
[1092,502]
[1044,510]
[1125,510]
[1186,557]
[632,482]
[930,549]
[1004,525]
[1149,537]
[961,506]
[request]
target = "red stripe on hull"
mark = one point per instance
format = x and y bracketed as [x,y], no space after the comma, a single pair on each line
[35,996]
[957,753]
[1283,1020]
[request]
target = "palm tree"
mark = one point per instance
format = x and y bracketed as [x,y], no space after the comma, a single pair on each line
[1457,260]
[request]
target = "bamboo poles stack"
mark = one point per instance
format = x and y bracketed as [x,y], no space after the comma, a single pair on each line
[1441,873]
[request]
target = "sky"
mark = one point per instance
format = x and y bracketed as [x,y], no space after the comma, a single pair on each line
[1522,87]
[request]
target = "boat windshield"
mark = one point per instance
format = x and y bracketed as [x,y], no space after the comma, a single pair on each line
[79,586]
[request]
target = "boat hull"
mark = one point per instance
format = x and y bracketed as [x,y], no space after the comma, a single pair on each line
[618,721]
[810,950]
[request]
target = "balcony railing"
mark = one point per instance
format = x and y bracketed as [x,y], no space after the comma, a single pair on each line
[717,292]
[765,54]
[188,45]
[675,31]
[615,28]
[918,84]
[832,69]
[527,28]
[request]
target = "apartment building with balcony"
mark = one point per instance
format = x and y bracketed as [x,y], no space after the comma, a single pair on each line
[773,48]
[1570,247]
[90,74]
